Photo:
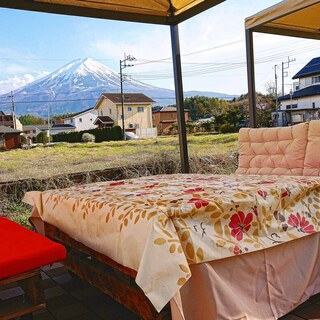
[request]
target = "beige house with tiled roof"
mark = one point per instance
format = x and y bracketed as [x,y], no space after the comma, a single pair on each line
[137,110]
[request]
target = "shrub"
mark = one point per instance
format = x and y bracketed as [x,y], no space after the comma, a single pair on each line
[207,125]
[190,127]
[88,137]
[116,133]
[226,128]
[23,139]
[173,129]
[42,137]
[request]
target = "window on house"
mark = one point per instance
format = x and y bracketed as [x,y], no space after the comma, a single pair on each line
[140,109]
[110,111]
[313,105]
[90,119]
[101,113]
[130,126]
[294,106]
[129,109]
[136,126]
[315,79]
[80,119]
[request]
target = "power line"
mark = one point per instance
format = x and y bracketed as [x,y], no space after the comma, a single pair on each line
[211,68]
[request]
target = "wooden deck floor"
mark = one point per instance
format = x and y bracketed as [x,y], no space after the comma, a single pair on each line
[69,298]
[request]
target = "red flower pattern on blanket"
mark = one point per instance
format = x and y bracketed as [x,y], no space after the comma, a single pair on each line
[198,202]
[194,190]
[237,250]
[240,223]
[118,183]
[301,223]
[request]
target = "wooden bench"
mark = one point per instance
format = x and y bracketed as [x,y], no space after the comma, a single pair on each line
[22,253]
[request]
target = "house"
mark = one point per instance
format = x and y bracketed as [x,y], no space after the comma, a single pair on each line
[31,131]
[7,121]
[303,104]
[10,138]
[83,120]
[137,113]
[164,118]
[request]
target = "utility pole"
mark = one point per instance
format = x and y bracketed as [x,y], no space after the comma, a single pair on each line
[291,93]
[13,111]
[285,65]
[276,93]
[123,65]
[48,134]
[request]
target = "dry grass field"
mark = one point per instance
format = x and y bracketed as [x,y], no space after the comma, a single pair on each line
[44,168]
[45,162]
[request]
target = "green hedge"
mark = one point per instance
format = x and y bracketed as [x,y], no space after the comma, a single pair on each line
[105,134]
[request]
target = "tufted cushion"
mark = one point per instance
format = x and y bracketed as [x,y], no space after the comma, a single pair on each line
[312,158]
[279,151]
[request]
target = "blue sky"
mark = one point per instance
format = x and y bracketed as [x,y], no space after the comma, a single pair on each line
[35,44]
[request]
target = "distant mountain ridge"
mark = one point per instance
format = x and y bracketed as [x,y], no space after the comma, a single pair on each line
[77,86]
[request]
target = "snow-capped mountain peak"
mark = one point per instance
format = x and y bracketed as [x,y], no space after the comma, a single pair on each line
[77,86]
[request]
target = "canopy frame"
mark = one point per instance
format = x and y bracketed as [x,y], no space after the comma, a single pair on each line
[286,18]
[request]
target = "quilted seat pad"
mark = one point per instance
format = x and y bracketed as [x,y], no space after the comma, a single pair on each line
[278,151]
[22,250]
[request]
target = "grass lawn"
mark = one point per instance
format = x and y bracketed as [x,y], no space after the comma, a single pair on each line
[42,162]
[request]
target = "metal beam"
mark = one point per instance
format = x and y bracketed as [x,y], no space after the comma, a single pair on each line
[176,58]
[288,32]
[251,79]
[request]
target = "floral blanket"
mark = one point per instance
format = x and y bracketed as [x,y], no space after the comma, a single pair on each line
[159,225]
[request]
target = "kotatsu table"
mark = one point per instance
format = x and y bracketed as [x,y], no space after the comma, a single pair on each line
[169,228]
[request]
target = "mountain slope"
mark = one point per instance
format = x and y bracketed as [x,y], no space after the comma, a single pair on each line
[77,86]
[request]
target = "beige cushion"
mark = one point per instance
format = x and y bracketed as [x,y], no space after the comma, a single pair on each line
[279,151]
[312,158]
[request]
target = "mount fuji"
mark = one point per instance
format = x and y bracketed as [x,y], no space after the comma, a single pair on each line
[78,85]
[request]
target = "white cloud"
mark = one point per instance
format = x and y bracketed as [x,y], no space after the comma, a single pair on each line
[16,82]
[213,29]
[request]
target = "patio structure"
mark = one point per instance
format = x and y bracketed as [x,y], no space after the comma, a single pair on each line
[197,230]
[295,18]
[164,12]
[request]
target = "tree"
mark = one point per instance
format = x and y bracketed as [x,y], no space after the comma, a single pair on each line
[42,137]
[29,119]
[201,107]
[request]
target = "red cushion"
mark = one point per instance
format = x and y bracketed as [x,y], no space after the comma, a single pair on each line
[23,250]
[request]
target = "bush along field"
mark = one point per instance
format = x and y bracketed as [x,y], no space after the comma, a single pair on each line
[100,135]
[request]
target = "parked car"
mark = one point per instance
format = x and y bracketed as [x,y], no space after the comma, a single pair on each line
[131,136]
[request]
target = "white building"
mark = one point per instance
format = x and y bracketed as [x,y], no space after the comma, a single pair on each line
[31,131]
[303,104]
[83,120]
